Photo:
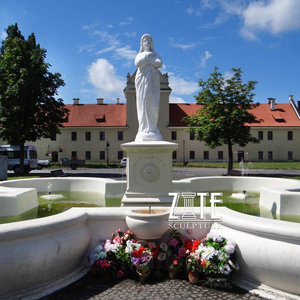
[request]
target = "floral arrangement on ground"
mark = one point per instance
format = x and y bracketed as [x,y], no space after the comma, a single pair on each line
[211,259]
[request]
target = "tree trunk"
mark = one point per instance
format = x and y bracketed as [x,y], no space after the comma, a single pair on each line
[230,158]
[22,158]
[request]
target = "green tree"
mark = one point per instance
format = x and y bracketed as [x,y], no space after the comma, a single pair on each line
[224,116]
[28,108]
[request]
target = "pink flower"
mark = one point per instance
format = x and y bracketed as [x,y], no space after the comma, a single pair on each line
[175,262]
[173,242]
[117,240]
[182,251]
[120,273]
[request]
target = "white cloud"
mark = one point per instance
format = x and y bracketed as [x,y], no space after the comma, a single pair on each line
[181,45]
[126,52]
[3,35]
[127,22]
[181,86]
[102,76]
[274,16]
[206,57]
[175,99]
[270,16]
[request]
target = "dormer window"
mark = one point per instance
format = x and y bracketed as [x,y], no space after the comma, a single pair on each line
[100,118]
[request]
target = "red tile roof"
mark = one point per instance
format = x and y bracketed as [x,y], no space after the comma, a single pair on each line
[96,115]
[283,115]
[114,115]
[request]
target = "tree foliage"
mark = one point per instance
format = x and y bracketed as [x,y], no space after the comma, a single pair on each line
[224,116]
[28,107]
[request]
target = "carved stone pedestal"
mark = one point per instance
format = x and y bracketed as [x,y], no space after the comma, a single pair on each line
[149,173]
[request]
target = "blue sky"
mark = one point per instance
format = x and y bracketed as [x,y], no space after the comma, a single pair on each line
[93,43]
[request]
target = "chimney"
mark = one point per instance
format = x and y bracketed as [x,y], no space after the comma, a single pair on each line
[118,100]
[298,105]
[271,101]
[75,101]
[100,101]
[290,97]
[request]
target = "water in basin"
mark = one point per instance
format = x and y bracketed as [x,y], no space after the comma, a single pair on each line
[249,205]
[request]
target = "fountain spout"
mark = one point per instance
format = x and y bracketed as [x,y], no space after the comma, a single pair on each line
[49,188]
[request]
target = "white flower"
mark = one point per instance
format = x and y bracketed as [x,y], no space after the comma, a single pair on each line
[215,237]
[129,247]
[208,253]
[221,255]
[225,269]
[162,256]
[229,248]
[164,246]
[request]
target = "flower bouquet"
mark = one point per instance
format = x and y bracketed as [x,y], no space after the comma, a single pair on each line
[159,253]
[176,253]
[216,255]
[141,258]
[102,261]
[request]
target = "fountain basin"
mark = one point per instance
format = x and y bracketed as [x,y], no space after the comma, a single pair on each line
[53,196]
[240,195]
[30,251]
[147,224]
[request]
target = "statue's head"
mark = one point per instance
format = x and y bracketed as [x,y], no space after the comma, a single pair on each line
[146,36]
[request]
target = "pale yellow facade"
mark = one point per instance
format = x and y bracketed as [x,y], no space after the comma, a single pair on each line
[282,144]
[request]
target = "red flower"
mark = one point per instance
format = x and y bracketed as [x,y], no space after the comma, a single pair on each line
[188,244]
[135,253]
[195,245]
[203,263]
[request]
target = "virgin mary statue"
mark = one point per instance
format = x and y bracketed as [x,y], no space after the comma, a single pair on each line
[147,86]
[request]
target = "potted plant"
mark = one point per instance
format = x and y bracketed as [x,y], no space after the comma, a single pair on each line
[217,261]
[141,258]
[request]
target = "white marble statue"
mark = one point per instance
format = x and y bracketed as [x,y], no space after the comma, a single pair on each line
[147,85]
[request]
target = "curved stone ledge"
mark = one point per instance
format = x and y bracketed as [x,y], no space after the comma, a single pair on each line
[39,256]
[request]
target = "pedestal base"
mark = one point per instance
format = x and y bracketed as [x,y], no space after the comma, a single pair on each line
[149,173]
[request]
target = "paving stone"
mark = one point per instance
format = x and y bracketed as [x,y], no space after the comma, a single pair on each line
[90,287]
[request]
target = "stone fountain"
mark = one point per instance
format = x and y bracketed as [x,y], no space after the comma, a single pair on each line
[149,158]
[43,255]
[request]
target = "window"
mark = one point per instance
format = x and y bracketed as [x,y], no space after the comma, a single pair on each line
[102,155]
[260,135]
[220,155]
[260,155]
[290,155]
[205,154]
[192,154]
[102,136]
[88,136]
[174,155]
[88,155]
[74,154]
[74,136]
[270,135]
[173,135]
[270,155]
[192,136]
[290,135]
[120,135]
[53,137]
[120,154]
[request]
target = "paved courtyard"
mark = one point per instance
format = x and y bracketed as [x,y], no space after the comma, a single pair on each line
[90,287]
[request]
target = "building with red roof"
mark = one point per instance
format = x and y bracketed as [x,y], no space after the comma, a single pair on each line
[90,128]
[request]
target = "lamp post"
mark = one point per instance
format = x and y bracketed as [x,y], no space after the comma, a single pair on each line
[107,148]
[183,146]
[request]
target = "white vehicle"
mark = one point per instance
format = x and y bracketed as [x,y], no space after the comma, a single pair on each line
[43,163]
[13,157]
[123,162]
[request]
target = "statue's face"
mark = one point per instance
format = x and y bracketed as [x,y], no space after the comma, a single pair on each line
[146,43]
